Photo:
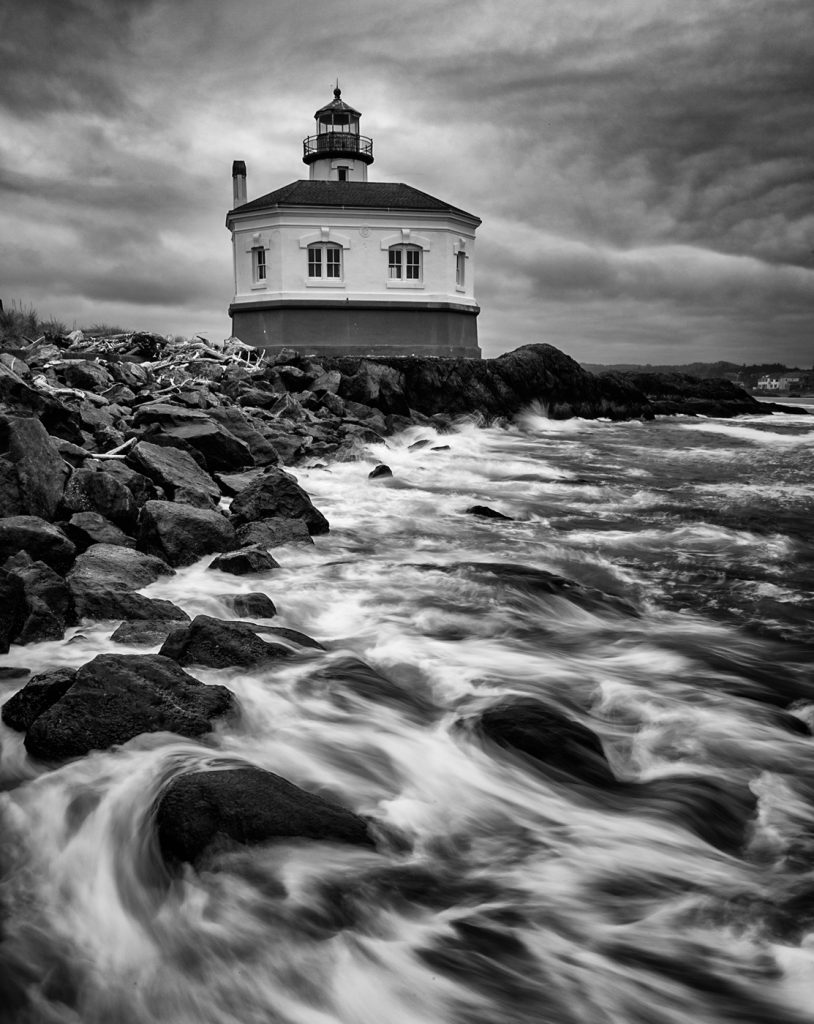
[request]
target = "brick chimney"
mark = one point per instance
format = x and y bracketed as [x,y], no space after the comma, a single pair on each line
[238,183]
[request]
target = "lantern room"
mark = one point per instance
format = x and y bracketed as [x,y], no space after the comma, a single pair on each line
[337,152]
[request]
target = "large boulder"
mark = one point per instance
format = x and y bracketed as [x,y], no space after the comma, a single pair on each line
[97,491]
[104,581]
[118,696]
[43,541]
[218,643]
[181,534]
[40,470]
[220,448]
[140,486]
[202,812]
[180,476]
[277,494]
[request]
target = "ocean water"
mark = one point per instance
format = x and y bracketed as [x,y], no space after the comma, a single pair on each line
[655,583]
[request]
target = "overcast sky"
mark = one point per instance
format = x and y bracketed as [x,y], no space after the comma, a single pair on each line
[644,169]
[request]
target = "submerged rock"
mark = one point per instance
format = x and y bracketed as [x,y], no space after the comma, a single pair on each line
[118,696]
[206,811]
[486,513]
[252,559]
[719,812]
[549,738]
[254,606]
[380,472]
[273,533]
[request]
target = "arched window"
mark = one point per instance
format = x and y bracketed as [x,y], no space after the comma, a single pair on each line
[404,263]
[325,260]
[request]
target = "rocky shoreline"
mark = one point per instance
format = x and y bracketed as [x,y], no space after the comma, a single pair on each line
[125,458]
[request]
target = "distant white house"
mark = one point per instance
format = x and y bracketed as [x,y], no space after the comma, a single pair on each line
[339,264]
[772,383]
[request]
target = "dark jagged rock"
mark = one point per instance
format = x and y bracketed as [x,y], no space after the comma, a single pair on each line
[48,600]
[118,696]
[104,580]
[217,643]
[43,541]
[98,491]
[250,559]
[89,376]
[380,472]
[40,469]
[273,533]
[181,534]
[277,494]
[486,513]
[12,609]
[86,528]
[254,605]
[490,387]
[240,426]
[202,812]
[38,694]
[140,486]
[220,448]
[180,476]
[11,501]
[233,483]
[163,414]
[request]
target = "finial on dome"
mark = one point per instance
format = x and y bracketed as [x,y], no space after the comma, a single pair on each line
[337,90]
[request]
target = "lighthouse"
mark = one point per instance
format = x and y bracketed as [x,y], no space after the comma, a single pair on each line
[339,264]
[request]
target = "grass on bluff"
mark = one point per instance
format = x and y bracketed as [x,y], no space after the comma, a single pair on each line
[20,325]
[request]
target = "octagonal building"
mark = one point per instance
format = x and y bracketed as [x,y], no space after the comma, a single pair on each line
[339,264]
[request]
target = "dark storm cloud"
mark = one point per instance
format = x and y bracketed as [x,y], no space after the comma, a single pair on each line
[66,54]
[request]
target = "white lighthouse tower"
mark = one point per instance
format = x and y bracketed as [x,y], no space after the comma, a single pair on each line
[339,264]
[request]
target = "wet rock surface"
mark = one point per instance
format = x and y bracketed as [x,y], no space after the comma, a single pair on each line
[218,643]
[208,811]
[114,698]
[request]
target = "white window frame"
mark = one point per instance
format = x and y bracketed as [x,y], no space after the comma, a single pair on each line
[460,270]
[259,266]
[322,249]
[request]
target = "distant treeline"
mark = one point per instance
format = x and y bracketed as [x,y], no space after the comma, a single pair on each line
[745,373]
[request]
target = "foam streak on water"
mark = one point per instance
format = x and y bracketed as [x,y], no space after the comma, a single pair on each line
[683,640]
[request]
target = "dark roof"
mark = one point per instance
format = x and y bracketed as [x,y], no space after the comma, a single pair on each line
[337,106]
[379,195]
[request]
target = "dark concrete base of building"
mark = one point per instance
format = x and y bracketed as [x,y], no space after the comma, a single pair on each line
[397,329]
